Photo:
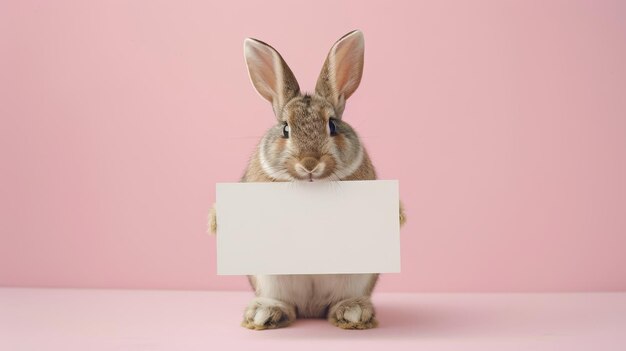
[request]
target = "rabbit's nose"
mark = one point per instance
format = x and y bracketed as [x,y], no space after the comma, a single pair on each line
[309,163]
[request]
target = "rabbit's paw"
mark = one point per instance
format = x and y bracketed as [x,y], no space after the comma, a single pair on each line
[265,313]
[212,221]
[402,215]
[355,313]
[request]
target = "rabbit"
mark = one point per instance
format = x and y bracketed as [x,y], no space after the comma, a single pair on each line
[309,142]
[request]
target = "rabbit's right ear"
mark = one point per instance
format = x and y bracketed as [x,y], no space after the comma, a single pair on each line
[270,74]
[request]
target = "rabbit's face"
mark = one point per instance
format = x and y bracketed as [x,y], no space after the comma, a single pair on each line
[310,143]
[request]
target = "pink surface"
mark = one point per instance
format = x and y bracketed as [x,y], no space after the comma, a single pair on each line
[503,121]
[43,319]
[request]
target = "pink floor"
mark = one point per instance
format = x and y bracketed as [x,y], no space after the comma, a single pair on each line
[60,319]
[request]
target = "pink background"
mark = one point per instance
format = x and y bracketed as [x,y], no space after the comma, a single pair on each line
[505,123]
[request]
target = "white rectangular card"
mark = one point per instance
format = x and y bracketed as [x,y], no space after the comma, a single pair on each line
[308,228]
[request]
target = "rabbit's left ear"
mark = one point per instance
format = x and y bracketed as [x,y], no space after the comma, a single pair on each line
[342,70]
[270,74]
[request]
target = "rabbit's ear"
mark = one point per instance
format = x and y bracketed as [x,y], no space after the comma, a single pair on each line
[269,74]
[342,70]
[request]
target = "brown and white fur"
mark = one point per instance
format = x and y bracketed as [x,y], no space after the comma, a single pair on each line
[301,147]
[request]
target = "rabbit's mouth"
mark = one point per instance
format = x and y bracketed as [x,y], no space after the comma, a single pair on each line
[311,169]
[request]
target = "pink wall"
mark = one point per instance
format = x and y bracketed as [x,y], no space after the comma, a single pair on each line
[504,121]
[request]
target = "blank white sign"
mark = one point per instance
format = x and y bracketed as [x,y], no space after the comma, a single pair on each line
[308,228]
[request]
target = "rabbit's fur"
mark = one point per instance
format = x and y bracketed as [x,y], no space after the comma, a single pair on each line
[309,142]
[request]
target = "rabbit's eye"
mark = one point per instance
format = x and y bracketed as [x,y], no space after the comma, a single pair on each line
[286,131]
[332,128]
